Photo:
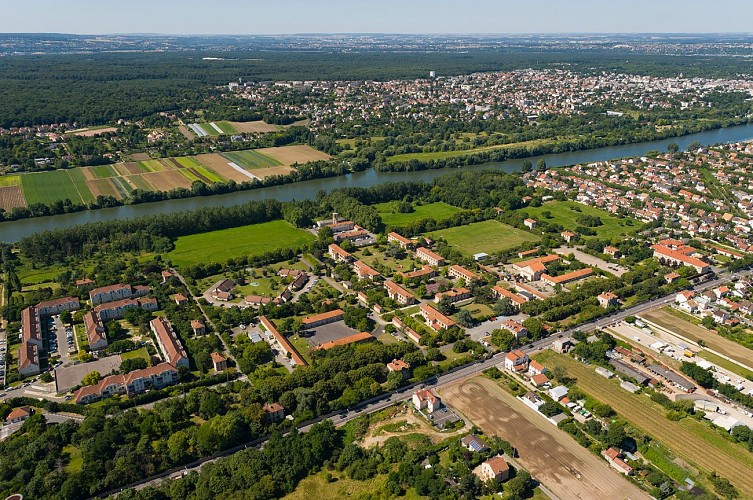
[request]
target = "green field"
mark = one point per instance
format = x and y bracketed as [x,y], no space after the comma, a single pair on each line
[140,182]
[138,353]
[566,214]
[219,246]
[77,176]
[103,171]
[188,161]
[488,236]
[440,155]
[210,174]
[49,187]
[10,180]
[226,128]
[251,159]
[436,211]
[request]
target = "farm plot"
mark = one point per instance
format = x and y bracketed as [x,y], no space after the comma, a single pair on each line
[167,180]
[221,245]
[487,236]
[11,197]
[10,180]
[103,187]
[49,187]
[140,157]
[130,168]
[548,453]
[219,164]
[251,159]
[689,439]
[263,173]
[102,171]
[289,155]
[139,182]
[258,127]
[79,178]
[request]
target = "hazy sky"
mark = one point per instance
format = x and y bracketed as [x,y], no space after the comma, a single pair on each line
[386,16]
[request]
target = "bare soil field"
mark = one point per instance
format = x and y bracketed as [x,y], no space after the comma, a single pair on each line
[688,439]
[549,454]
[261,173]
[167,180]
[288,155]
[713,340]
[92,133]
[186,132]
[11,197]
[415,425]
[220,165]
[103,187]
[258,127]
[141,157]
[128,168]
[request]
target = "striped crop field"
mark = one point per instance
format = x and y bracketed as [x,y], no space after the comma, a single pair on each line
[49,187]
[251,159]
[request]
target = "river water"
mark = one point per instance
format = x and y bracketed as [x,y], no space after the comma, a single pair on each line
[12,231]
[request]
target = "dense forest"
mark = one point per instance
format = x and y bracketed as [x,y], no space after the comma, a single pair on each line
[96,89]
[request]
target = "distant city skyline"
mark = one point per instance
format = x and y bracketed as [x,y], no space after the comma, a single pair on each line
[387,16]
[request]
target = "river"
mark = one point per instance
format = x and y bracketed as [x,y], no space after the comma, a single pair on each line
[12,231]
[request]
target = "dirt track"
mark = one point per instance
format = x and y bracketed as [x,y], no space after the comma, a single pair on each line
[549,454]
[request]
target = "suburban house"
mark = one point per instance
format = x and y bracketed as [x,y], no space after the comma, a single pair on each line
[95,331]
[515,327]
[435,319]
[322,319]
[284,343]
[539,380]
[494,469]
[135,382]
[535,368]
[399,366]
[557,393]
[614,457]
[567,278]
[398,293]
[568,236]
[168,343]
[530,223]
[404,242]
[471,442]
[84,283]
[350,339]
[613,252]
[608,299]
[337,254]
[459,272]
[180,299]
[119,291]
[275,412]
[502,293]
[219,362]
[431,258]
[19,414]
[516,361]
[425,272]
[222,290]
[198,327]
[425,400]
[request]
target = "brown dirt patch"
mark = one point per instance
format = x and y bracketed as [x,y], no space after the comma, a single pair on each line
[140,157]
[89,174]
[288,155]
[128,168]
[416,425]
[258,127]
[186,132]
[548,453]
[167,180]
[103,187]
[261,173]
[92,133]
[220,165]
[711,339]
[11,197]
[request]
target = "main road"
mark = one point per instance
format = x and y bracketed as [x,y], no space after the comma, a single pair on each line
[405,393]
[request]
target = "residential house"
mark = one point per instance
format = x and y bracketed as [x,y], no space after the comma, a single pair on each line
[337,254]
[404,242]
[474,443]
[431,258]
[198,327]
[95,331]
[539,380]
[399,366]
[275,412]
[515,327]
[568,236]
[515,299]
[614,457]
[494,469]
[19,414]
[219,362]
[516,361]
[608,299]
[425,400]
[613,252]
[459,272]
[135,382]
[530,223]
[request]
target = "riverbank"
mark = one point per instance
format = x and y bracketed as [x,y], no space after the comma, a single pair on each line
[12,231]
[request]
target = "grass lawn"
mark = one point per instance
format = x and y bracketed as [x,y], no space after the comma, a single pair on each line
[219,246]
[341,487]
[436,211]
[138,353]
[726,364]
[487,236]
[566,214]
[693,441]
[302,346]
[251,159]
[31,276]
[76,460]
[478,310]
[49,187]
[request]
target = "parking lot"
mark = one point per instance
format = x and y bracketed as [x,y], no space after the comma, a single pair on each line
[60,339]
[328,333]
[67,377]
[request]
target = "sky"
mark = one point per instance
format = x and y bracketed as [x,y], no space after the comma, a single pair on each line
[252,17]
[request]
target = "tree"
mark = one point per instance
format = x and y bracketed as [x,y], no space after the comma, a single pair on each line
[91,378]
[673,148]
[541,165]
[527,166]
[534,327]
[465,318]
[66,317]
[504,339]
[708,322]
[550,409]
[504,307]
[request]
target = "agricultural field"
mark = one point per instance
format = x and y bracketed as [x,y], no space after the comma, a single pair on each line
[251,159]
[441,155]
[229,128]
[566,214]
[290,155]
[548,453]
[48,187]
[671,320]
[437,211]
[487,236]
[689,439]
[224,244]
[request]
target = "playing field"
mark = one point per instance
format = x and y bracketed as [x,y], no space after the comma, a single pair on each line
[689,439]
[487,236]
[48,187]
[666,319]
[436,211]
[566,214]
[548,453]
[219,246]
[251,159]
